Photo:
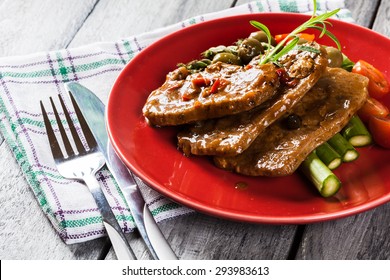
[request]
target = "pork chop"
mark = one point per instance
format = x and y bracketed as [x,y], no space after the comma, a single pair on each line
[221,89]
[232,135]
[323,111]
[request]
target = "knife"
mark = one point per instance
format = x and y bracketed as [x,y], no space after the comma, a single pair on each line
[93,111]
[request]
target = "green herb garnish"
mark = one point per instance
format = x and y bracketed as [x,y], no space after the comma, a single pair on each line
[315,22]
[307,48]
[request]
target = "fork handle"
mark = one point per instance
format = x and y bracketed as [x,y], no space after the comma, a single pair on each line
[114,231]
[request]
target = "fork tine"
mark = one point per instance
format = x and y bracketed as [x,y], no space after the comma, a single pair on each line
[54,146]
[65,139]
[76,137]
[84,126]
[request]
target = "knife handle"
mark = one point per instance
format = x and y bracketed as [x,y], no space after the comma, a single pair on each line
[150,232]
[114,231]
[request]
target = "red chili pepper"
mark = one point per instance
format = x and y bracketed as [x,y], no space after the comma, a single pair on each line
[285,78]
[186,97]
[280,72]
[214,87]
[200,81]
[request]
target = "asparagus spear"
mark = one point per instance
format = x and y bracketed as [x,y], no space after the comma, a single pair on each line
[347,152]
[356,133]
[320,175]
[329,156]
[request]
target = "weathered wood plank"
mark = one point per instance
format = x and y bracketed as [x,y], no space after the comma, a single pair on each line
[32,26]
[356,7]
[108,23]
[364,236]
[363,12]
[198,236]
[382,20]
[203,237]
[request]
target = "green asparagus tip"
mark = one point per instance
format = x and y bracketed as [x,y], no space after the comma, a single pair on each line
[334,164]
[361,140]
[331,186]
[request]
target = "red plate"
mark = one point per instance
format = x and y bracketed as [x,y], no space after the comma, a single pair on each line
[194,182]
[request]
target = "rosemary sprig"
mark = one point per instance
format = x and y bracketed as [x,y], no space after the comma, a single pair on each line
[316,22]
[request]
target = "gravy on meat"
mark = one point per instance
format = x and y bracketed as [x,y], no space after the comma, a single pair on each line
[231,135]
[323,111]
[185,98]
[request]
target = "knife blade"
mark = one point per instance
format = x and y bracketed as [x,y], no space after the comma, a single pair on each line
[93,111]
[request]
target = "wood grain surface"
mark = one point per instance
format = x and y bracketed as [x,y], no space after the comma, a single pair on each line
[25,233]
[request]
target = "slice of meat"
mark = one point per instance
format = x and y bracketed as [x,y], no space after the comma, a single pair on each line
[221,89]
[324,111]
[232,135]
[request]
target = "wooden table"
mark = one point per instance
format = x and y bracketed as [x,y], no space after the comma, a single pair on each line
[25,233]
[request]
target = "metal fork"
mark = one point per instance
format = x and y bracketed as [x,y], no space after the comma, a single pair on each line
[83,165]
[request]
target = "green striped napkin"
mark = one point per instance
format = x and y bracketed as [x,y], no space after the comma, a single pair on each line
[27,79]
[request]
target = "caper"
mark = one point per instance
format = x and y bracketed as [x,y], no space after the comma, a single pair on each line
[198,64]
[248,49]
[262,37]
[227,58]
[211,52]
[292,122]
[335,57]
